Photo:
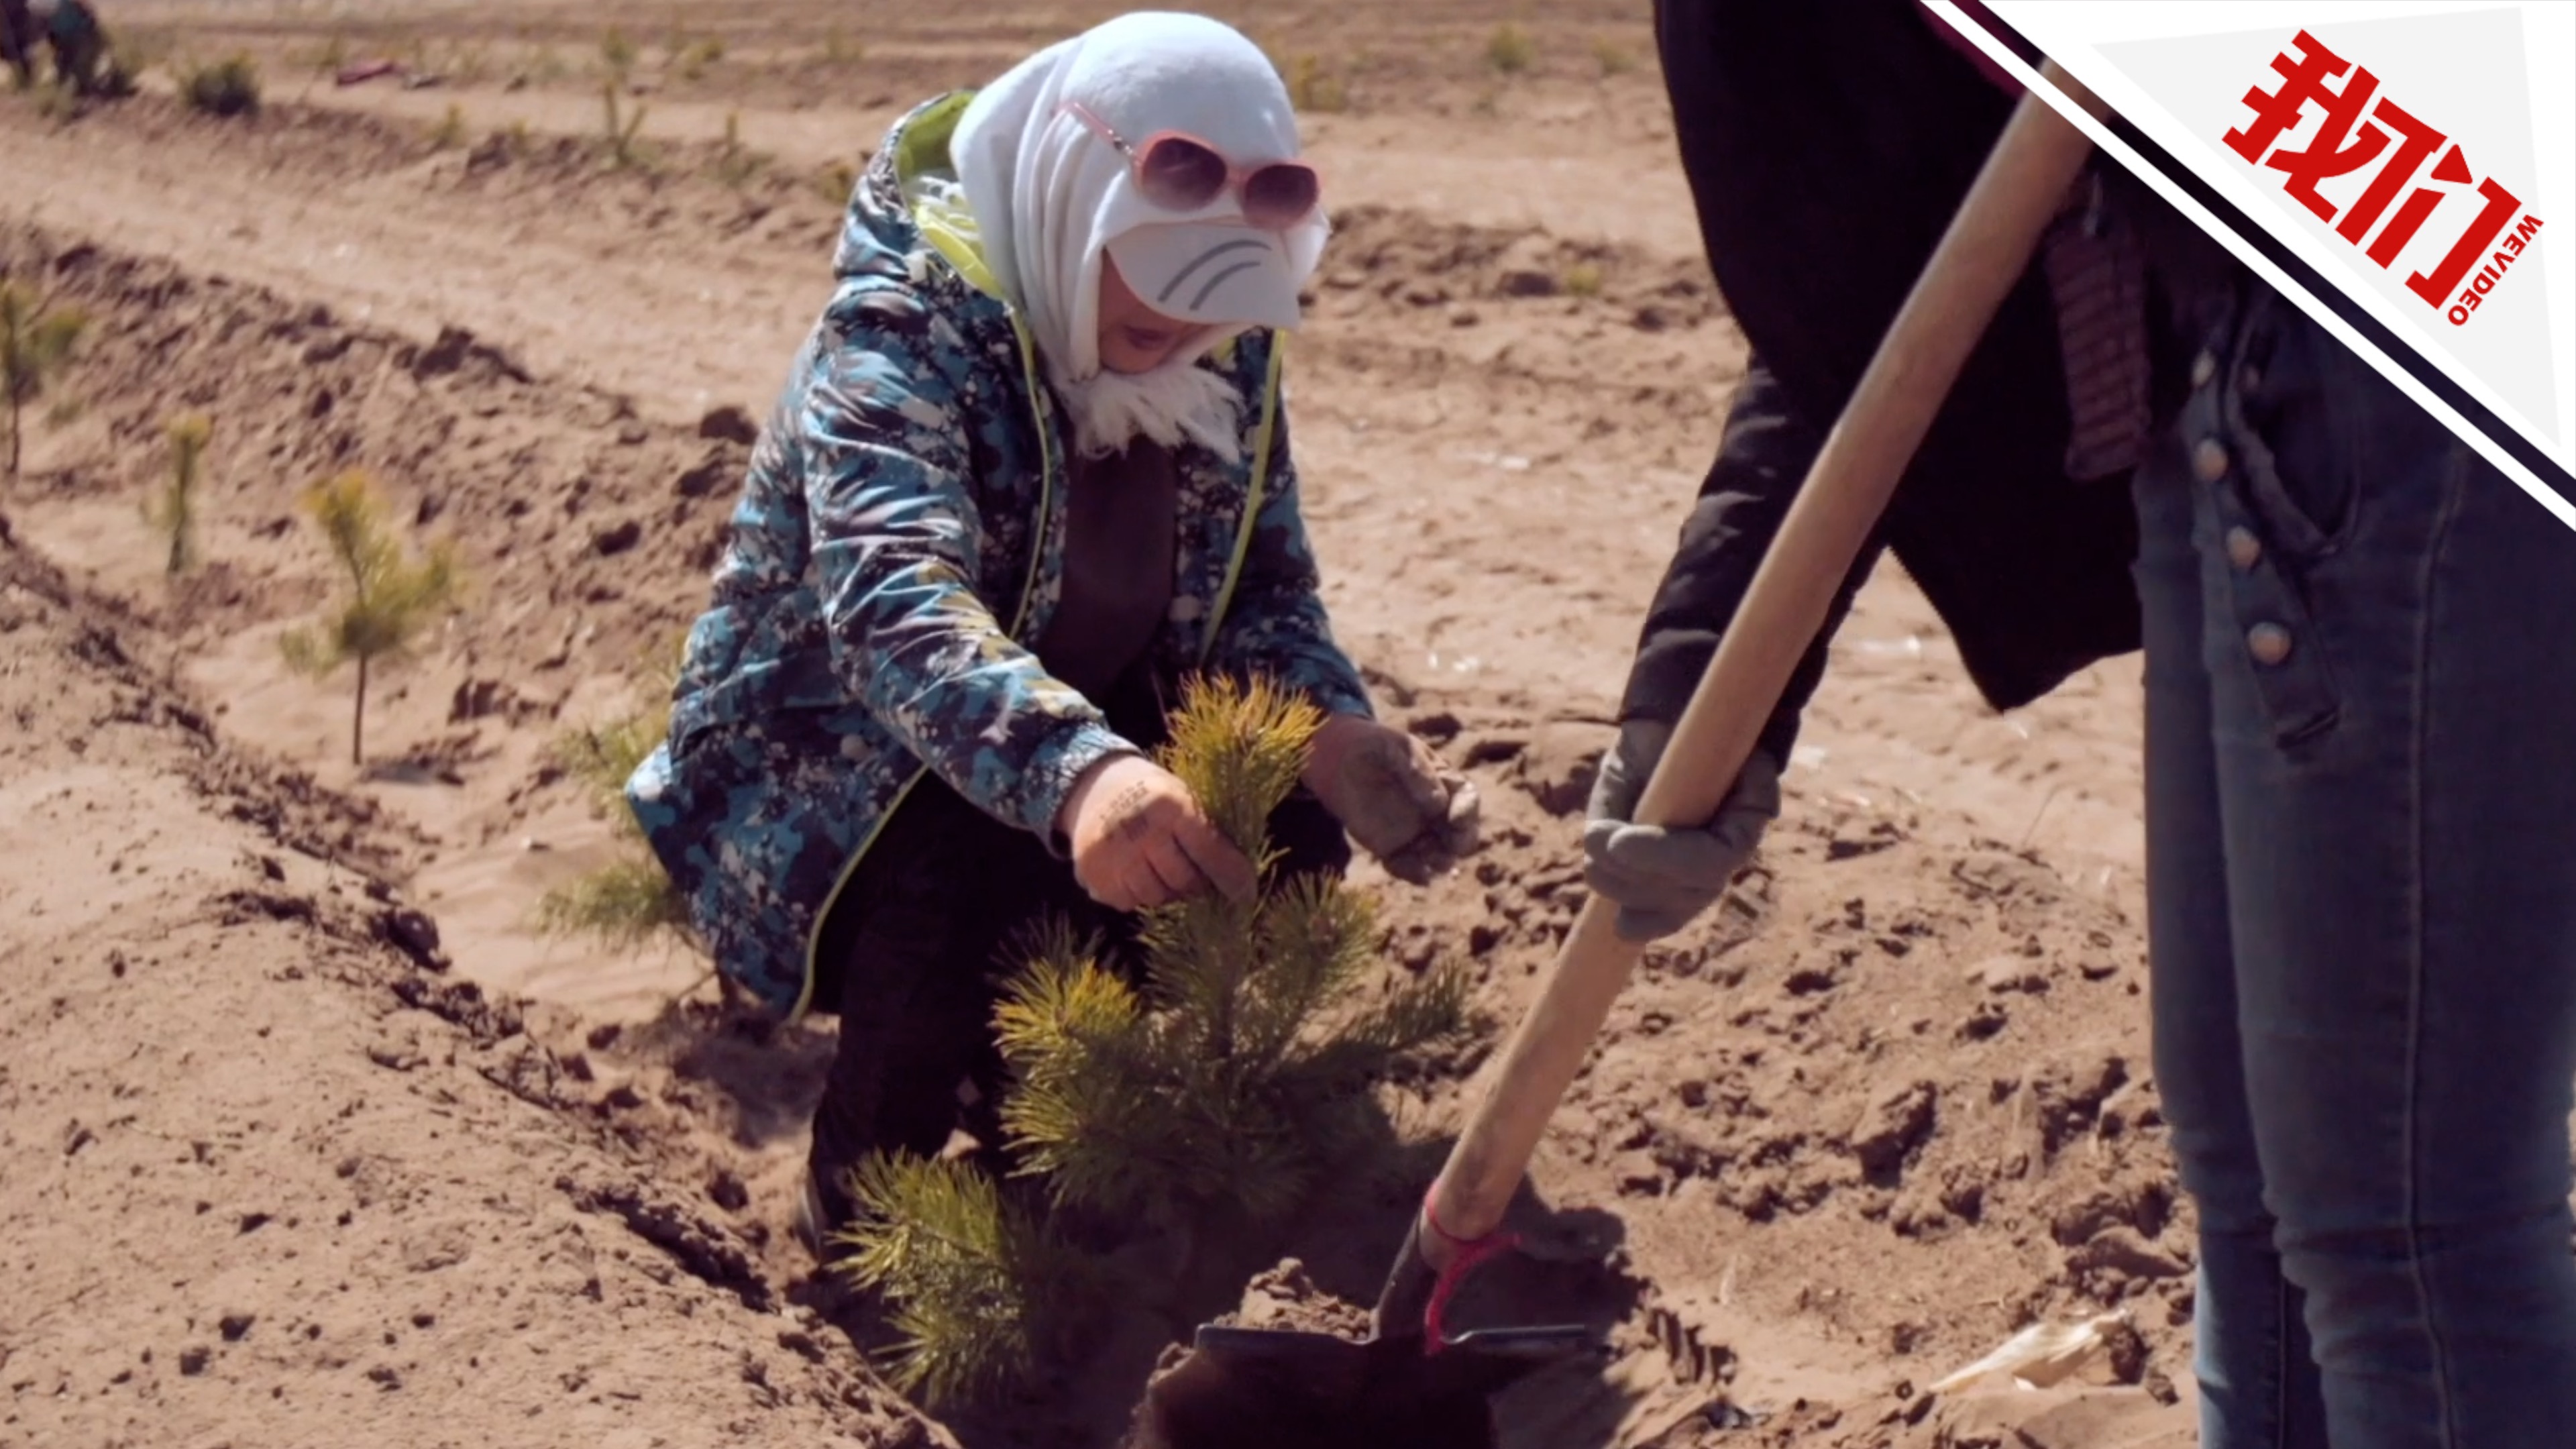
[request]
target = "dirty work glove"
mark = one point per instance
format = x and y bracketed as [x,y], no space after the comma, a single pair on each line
[1658,878]
[1398,799]
[1139,840]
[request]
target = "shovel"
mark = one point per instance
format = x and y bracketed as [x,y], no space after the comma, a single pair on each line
[1409,1384]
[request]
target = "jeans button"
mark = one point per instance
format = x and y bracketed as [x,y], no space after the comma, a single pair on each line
[2268,643]
[2243,549]
[2203,368]
[2209,460]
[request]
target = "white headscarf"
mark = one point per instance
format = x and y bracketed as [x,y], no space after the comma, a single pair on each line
[1049,194]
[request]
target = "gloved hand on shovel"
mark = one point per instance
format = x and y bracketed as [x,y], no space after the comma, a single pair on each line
[1661,879]
[1398,799]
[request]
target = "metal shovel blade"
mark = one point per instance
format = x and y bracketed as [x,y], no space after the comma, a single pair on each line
[1248,1388]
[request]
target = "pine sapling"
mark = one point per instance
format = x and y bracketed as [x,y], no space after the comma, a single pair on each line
[390,598]
[172,510]
[1222,1087]
[979,1286]
[450,130]
[735,162]
[37,339]
[617,53]
[621,130]
[630,900]
[1242,1065]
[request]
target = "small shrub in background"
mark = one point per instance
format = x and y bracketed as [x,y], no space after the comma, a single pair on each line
[694,60]
[1510,50]
[450,130]
[37,340]
[511,141]
[172,510]
[227,87]
[621,129]
[617,53]
[836,181]
[1313,90]
[735,162]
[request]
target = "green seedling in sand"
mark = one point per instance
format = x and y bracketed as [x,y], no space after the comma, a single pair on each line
[37,340]
[172,509]
[836,181]
[630,900]
[1510,50]
[1212,1090]
[1314,91]
[390,598]
[617,53]
[736,163]
[621,129]
[513,139]
[693,60]
[449,133]
[1613,58]
[1584,280]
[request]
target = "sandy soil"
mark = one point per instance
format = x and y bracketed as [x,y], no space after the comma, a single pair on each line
[499,1189]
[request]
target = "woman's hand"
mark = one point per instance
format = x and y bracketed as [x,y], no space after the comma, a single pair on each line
[1394,794]
[1140,841]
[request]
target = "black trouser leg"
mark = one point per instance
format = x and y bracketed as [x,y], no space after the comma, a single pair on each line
[911,964]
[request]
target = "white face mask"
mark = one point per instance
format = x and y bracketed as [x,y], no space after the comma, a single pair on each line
[1050,194]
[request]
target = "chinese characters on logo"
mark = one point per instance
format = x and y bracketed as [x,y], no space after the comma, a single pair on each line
[2347,142]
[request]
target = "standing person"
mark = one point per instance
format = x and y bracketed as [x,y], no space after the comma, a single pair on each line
[2361,697]
[18,33]
[1031,469]
[79,42]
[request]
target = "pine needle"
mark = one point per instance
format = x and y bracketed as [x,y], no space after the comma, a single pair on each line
[622,905]
[1240,749]
[602,758]
[625,903]
[977,1286]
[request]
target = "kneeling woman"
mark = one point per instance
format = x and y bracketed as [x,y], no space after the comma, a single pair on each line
[1030,471]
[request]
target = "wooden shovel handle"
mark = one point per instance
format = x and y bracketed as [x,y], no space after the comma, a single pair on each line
[1983,254]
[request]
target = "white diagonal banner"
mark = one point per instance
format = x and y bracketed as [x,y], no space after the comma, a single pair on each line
[2418,156]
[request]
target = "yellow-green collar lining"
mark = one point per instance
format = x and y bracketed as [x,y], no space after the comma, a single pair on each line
[944,221]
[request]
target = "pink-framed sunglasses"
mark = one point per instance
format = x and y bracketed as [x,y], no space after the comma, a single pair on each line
[1180,172]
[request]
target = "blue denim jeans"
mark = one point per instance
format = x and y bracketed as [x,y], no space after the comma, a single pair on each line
[2361,844]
